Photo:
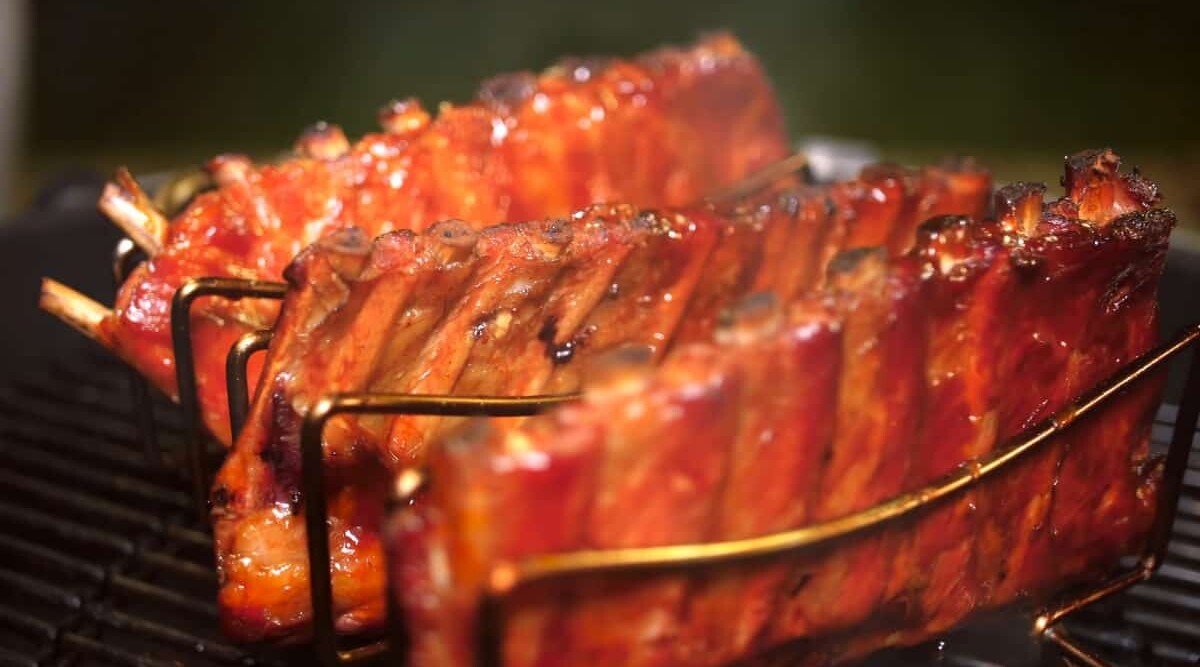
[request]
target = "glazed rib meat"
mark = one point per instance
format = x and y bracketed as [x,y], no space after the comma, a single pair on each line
[664,129]
[913,366]
[509,310]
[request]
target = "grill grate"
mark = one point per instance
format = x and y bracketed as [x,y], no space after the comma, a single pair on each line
[103,563]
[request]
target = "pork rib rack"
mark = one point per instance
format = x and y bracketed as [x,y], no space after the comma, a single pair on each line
[804,409]
[662,130]
[509,310]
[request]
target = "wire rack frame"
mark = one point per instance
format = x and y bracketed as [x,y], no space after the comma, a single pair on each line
[185,364]
[506,578]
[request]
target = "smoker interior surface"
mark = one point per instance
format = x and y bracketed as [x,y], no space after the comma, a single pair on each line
[103,562]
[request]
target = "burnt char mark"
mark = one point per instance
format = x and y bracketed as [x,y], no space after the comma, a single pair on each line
[561,353]
[549,330]
[1101,162]
[221,497]
[1010,197]
[507,91]
[454,233]
[850,260]
[479,328]
[281,450]
[1154,225]
[558,232]
[1089,166]
[1142,189]
[942,225]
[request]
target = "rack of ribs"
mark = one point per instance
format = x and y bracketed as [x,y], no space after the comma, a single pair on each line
[664,129]
[895,371]
[509,310]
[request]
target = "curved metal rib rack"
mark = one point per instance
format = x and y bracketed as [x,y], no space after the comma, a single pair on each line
[509,577]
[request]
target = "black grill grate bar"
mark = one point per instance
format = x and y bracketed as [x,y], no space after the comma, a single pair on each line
[102,371]
[62,468]
[177,565]
[66,531]
[85,401]
[110,653]
[1172,652]
[173,636]
[15,581]
[11,659]
[1186,528]
[1187,629]
[190,536]
[1185,550]
[1102,634]
[78,501]
[1184,575]
[130,585]
[54,558]
[115,430]
[50,436]
[111,396]
[1189,507]
[22,622]
[1166,596]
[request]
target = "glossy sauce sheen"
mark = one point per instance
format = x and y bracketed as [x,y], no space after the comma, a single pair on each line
[914,365]
[515,309]
[662,130]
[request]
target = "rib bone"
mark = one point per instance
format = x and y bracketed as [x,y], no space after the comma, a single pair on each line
[126,204]
[77,310]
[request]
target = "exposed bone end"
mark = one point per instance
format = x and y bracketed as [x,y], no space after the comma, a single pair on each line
[1101,193]
[229,168]
[945,243]
[126,204]
[323,142]
[80,312]
[855,269]
[750,320]
[1019,207]
[506,92]
[1088,169]
[403,117]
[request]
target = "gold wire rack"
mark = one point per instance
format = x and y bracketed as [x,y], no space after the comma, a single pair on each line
[508,577]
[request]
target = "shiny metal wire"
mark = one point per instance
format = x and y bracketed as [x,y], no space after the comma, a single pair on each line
[506,578]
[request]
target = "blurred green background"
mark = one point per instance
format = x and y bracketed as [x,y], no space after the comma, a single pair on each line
[157,85]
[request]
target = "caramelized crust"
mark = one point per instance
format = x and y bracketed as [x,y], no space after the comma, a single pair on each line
[664,129]
[919,364]
[509,310]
